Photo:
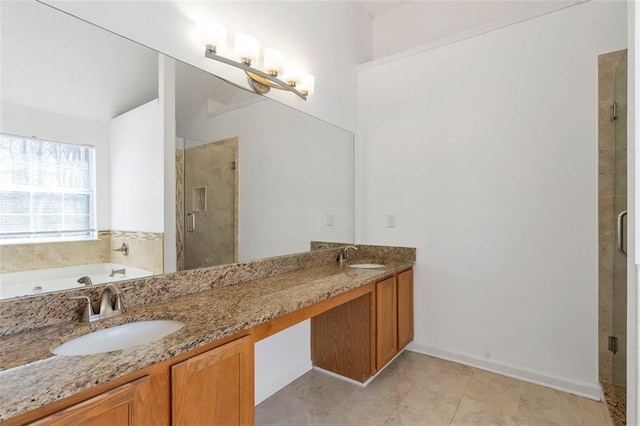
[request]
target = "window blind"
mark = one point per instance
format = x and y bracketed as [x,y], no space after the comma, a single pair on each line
[46,190]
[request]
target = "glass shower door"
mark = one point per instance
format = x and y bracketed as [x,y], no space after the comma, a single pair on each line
[209,204]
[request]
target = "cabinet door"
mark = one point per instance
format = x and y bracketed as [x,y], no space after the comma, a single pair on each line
[341,339]
[215,388]
[405,308]
[115,407]
[386,321]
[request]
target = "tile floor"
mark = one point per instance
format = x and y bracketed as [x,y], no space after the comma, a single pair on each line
[421,390]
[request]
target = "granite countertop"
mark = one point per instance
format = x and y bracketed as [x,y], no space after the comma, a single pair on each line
[31,376]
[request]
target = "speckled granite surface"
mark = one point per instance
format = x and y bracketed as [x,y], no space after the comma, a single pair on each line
[236,300]
[616,398]
[31,312]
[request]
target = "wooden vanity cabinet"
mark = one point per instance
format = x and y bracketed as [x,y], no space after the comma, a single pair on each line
[214,388]
[342,339]
[405,308]
[353,334]
[386,321]
[126,405]
[394,319]
[206,387]
[358,338]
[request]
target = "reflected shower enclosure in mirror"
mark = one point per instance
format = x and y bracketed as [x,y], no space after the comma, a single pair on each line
[189,170]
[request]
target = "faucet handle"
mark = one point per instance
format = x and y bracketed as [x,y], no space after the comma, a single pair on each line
[88,314]
[124,249]
[119,305]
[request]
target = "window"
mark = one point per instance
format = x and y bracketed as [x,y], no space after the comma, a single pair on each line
[46,190]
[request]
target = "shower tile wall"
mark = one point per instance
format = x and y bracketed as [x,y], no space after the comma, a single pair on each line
[180,209]
[607,65]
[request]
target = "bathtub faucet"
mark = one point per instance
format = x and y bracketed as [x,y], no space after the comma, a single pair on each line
[124,249]
[85,280]
[122,271]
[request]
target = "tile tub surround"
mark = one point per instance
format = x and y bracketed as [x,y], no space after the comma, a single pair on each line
[32,377]
[146,250]
[25,257]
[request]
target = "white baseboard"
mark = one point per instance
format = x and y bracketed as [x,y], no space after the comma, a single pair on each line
[564,384]
[339,377]
[264,392]
[355,382]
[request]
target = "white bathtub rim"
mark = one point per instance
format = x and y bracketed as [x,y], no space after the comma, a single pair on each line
[18,284]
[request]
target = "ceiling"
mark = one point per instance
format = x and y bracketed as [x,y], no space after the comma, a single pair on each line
[377,7]
[53,62]
[198,90]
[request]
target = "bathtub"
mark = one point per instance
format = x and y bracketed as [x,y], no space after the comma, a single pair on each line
[25,283]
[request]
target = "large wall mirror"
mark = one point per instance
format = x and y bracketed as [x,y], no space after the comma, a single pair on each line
[118,162]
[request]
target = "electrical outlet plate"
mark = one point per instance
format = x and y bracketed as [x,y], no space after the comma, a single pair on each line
[391,221]
[329,219]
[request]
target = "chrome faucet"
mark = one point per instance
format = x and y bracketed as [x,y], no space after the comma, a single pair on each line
[344,253]
[109,309]
[124,249]
[122,271]
[85,280]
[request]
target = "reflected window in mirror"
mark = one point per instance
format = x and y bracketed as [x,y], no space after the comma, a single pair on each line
[47,190]
[289,181]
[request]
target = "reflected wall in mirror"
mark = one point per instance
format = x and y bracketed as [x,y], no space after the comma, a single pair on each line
[188,171]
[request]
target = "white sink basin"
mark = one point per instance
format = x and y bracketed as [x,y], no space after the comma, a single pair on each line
[119,337]
[366,265]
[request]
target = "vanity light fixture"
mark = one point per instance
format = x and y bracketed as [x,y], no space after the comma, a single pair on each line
[274,73]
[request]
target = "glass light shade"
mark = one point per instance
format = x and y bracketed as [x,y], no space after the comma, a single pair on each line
[292,73]
[214,34]
[273,61]
[307,84]
[246,47]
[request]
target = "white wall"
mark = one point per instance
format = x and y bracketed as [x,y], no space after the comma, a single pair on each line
[328,38]
[167,94]
[293,170]
[486,150]
[418,23]
[24,121]
[282,358]
[137,166]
